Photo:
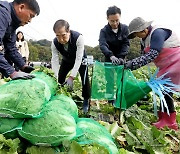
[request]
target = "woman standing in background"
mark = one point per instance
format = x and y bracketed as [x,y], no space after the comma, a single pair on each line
[22,46]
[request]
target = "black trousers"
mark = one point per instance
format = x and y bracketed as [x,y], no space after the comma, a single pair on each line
[170,103]
[83,71]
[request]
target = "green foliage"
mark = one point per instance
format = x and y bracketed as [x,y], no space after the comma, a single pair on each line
[40,50]
[40,150]
[96,52]
[47,71]
[144,72]
[44,42]
[95,149]
[134,50]
[123,151]
[8,146]
[33,56]
[148,138]
[75,148]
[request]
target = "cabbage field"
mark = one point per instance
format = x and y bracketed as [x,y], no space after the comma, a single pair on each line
[54,122]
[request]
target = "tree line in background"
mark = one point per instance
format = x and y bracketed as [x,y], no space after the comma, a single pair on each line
[41,50]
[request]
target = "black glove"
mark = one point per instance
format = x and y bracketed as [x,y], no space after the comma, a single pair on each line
[27,69]
[128,65]
[21,75]
[115,60]
[121,61]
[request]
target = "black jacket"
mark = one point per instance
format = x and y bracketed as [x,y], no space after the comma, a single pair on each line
[111,43]
[9,22]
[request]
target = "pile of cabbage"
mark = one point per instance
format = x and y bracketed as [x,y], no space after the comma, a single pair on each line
[35,111]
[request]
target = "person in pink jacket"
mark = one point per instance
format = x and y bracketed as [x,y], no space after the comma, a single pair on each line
[161,46]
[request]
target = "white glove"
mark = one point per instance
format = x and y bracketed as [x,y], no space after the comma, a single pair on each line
[69,82]
[115,60]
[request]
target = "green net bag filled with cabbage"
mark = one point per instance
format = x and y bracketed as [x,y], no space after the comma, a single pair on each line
[26,98]
[64,102]
[9,127]
[55,126]
[91,132]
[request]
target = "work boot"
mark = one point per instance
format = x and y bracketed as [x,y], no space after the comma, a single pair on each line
[86,106]
[159,118]
[167,120]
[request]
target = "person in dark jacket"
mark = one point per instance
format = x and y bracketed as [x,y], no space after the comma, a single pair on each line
[113,40]
[70,44]
[13,15]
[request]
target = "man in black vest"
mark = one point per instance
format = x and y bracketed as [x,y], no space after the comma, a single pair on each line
[70,45]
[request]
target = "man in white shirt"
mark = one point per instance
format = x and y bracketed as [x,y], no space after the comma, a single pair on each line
[70,44]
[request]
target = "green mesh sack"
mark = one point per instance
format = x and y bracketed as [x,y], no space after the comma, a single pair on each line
[49,80]
[90,131]
[107,84]
[25,98]
[51,129]
[104,80]
[133,90]
[9,127]
[64,102]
